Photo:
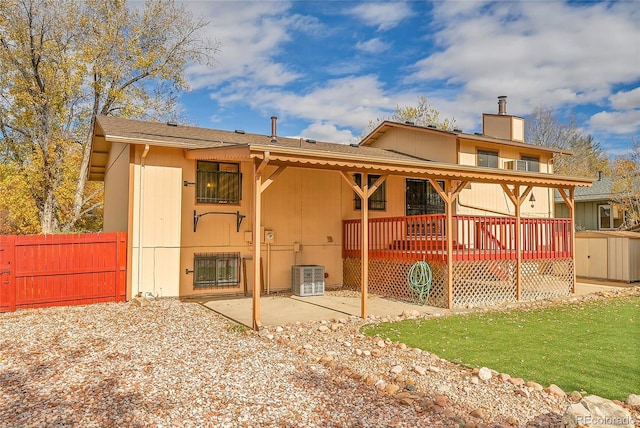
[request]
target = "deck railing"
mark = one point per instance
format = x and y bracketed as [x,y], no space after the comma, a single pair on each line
[424,237]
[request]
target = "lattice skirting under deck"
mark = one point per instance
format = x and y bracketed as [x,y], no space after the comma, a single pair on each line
[389,278]
[474,282]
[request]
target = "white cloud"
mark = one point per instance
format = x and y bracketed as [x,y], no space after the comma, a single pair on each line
[616,122]
[624,100]
[373,46]
[383,15]
[347,102]
[323,131]
[538,53]
[250,34]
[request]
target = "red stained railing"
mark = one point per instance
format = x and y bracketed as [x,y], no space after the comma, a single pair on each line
[474,238]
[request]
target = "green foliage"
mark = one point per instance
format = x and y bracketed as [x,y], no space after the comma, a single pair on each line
[589,346]
[64,62]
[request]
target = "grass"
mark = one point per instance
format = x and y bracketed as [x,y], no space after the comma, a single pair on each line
[592,346]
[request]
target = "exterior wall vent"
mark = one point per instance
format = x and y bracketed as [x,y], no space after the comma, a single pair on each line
[307,280]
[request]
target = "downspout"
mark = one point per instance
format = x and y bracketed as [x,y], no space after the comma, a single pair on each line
[140,213]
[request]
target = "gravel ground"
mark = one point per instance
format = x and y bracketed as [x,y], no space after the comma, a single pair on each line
[171,363]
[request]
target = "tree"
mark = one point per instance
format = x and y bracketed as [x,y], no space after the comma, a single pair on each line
[65,62]
[422,114]
[626,185]
[542,128]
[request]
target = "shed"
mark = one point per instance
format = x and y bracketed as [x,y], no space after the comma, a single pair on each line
[612,255]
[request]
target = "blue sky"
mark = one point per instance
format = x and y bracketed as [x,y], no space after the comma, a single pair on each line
[326,68]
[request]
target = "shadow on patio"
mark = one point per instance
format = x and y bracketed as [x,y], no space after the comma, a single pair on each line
[284,309]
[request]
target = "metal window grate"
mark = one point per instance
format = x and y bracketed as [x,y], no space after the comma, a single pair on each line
[218,183]
[211,270]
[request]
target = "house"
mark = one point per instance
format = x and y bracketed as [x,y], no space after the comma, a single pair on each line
[210,211]
[593,207]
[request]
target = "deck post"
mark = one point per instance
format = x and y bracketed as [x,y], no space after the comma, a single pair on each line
[257,208]
[364,193]
[449,235]
[364,251]
[570,203]
[518,237]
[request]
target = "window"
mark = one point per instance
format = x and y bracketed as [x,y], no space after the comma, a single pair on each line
[422,198]
[487,158]
[533,164]
[609,217]
[218,183]
[211,270]
[378,200]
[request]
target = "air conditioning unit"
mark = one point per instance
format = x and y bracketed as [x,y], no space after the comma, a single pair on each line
[307,280]
[516,165]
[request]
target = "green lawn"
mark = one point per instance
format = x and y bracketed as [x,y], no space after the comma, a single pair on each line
[592,346]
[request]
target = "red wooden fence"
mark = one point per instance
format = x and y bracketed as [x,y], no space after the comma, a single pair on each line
[58,270]
[474,238]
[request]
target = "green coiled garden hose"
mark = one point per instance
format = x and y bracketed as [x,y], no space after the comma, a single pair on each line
[419,278]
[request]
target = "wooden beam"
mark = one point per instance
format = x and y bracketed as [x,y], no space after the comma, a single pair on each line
[364,193]
[352,183]
[569,200]
[266,183]
[364,250]
[449,234]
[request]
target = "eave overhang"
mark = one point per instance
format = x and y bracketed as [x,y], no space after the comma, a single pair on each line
[295,157]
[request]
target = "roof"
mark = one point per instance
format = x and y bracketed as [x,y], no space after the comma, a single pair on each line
[203,143]
[388,125]
[601,190]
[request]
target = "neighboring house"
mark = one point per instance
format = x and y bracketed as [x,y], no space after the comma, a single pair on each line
[593,207]
[212,212]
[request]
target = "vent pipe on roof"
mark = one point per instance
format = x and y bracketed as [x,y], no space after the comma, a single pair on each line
[274,134]
[599,175]
[502,104]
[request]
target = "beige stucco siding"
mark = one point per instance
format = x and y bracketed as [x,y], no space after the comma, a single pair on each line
[116,189]
[434,146]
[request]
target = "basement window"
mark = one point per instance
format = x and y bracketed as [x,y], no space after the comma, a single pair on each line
[218,183]
[377,201]
[216,270]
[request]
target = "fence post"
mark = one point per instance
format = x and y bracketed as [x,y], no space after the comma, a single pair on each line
[8,272]
[121,267]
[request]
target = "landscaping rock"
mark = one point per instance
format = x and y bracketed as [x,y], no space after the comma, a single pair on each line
[391,388]
[420,370]
[478,413]
[594,411]
[504,377]
[517,381]
[484,374]
[554,389]
[396,369]
[410,313]
[534,385]
[633,400]
[575,396]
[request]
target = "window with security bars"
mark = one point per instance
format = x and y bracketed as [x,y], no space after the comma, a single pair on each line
[211,270]
[377,201]
[218,183]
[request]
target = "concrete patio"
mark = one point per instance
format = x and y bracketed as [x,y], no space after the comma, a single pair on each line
[284,309]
